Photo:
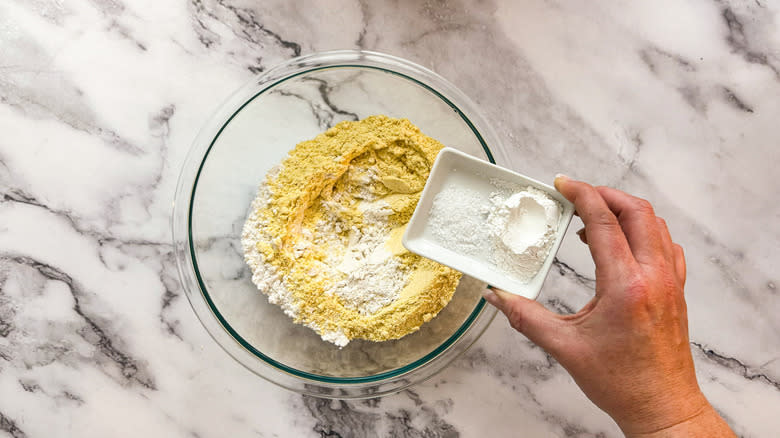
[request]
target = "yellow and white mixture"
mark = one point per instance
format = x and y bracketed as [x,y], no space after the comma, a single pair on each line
[323,237]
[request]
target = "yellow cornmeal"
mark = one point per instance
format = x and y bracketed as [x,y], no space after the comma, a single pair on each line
[375,159]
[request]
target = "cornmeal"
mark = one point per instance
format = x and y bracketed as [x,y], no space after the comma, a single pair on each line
[323,238]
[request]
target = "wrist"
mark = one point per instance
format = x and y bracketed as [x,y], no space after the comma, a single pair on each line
[706,422]
[661,411]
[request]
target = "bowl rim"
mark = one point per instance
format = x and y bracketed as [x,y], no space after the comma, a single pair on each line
[186,260]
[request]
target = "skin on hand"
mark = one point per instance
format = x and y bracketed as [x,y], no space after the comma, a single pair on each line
[628,348]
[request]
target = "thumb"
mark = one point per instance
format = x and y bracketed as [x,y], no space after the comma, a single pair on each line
[543,327]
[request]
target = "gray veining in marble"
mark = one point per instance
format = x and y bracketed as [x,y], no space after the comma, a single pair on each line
[100,99]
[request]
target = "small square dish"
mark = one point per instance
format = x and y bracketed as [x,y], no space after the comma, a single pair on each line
[455,170]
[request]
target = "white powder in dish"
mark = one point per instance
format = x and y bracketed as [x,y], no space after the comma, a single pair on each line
[457,218]
[523,228]
[513,227]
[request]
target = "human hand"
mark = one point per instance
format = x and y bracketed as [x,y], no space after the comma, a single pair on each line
[627,349]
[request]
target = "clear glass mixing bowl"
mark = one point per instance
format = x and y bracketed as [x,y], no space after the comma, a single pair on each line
[253,131]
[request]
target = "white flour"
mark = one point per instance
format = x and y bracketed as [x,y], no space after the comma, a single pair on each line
[370,277]
[513,227]
[264,275]
[523,227]
[364,274]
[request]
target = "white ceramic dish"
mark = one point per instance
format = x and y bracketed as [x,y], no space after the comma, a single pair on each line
[453,167]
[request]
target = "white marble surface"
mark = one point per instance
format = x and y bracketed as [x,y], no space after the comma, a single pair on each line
[99,100]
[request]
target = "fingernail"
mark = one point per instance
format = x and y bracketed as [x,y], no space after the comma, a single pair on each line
[559,178]
[490,296]
[489,287]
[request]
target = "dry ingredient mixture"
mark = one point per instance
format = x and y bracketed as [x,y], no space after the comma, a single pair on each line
[513,227]
[323,238]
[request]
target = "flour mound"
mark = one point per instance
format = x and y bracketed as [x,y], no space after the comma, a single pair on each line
[323,234]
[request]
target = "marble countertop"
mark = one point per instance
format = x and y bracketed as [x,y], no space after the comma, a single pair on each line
[674,101]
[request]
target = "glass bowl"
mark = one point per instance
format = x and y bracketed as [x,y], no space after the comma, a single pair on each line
[253,131]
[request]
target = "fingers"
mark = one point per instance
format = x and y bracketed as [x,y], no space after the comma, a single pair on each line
[637,218]
[543,327]
[603,234]
[676,260]
[679,260]
[666,240]
[676,251]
